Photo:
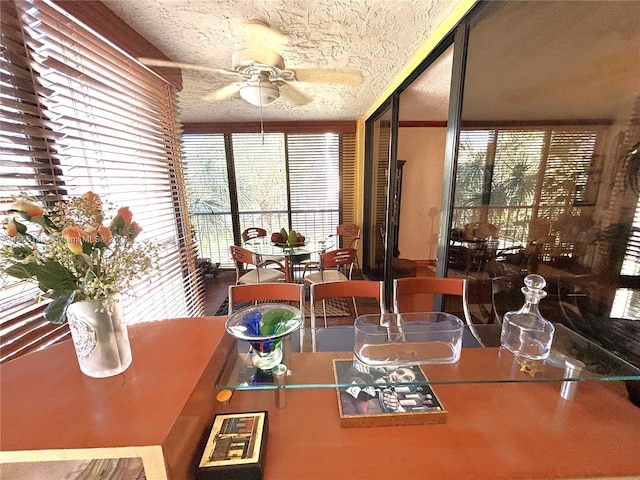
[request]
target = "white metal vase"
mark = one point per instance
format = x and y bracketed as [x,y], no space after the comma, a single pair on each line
[100,337]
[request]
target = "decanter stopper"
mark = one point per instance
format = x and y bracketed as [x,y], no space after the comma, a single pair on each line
[533,289]
[525,332]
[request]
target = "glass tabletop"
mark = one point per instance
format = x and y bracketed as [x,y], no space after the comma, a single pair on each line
[266,248]
[573,359]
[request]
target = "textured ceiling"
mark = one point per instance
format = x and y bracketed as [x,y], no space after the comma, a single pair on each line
[376,37]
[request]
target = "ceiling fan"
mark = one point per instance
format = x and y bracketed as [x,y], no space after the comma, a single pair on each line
[261,72]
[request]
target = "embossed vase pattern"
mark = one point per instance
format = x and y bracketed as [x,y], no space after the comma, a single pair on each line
[100,337]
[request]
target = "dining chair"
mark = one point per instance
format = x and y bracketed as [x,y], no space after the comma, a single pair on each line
[416,294]
[339,338]
[292,293]
[347,235]
[262,273]
[289,292]
[253,232]
[335,266]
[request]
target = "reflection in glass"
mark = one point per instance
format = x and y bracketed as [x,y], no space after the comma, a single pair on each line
[546,171]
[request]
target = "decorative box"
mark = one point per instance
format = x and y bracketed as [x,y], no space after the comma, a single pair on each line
[236,447]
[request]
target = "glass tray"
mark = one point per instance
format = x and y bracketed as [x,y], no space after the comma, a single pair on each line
[573,359]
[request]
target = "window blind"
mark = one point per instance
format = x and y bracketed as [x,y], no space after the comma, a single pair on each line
[260,171]
[77,115]
[207,192]
[513,177]
[314,175]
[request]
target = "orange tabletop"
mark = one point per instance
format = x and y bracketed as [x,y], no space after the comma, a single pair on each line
[161,408]
[157,410]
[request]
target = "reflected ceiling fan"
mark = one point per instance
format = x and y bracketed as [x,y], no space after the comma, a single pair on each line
[261,74]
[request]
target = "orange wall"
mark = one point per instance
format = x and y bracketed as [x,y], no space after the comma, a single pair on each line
[423,150]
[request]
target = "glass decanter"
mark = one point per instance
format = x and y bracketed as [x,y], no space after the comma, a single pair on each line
[525,332]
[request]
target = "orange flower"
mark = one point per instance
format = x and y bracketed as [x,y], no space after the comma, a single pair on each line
[73,238]
[122,220]
[105,234]
[11,228]
[95,234]
[134,230]
[27,207]
[90,235]
[93,206]
[90,196]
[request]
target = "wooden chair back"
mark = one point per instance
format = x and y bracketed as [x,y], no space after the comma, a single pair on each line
[350,231]
[243,256]
[416,294]
[253,232]
[289,292]
[341,257]
[319,292]
[260,274]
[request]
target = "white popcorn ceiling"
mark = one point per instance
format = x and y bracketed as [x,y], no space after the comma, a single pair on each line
[376,37]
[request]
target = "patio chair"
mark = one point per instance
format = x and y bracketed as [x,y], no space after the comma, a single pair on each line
[253,232]
[261,273]
[335,266]
[347,236]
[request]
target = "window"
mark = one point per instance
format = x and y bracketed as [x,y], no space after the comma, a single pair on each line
[260,173]
[626,303]
[80,115]
[526,179]
[291,180]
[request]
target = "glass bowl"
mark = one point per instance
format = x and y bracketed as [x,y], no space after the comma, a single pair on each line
[408,338]
[264,326]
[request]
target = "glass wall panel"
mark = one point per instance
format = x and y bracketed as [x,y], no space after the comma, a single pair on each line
[548,168]
[424,108]
[376,189]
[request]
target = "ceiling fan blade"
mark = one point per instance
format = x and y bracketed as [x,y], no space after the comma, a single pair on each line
[293,95]
[351,78]
[223,93]
[258,32]
[154,62]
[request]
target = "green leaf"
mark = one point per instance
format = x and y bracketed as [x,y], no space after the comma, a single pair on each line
[87,248]
[88,278]
[21,252]
[40,220]
[24,215]
[85,258]
[53,276]
[22,270]
[20,227]
[117,223]
[56,311]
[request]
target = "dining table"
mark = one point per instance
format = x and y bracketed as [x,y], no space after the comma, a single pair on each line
[292,256]
[501,423]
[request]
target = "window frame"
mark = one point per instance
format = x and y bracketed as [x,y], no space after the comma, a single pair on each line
[308,134]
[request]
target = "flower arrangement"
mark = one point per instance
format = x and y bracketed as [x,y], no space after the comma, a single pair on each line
[71,254]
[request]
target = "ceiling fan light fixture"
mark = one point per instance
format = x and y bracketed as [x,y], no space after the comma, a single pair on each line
[259,92]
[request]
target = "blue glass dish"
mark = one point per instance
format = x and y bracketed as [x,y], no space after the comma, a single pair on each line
[264,326]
